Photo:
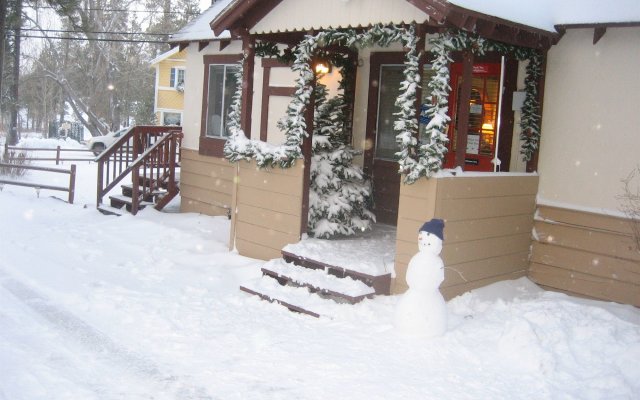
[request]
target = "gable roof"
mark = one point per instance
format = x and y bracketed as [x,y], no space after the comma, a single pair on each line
[164,56]
[549,14]
[530,23]
[199,28]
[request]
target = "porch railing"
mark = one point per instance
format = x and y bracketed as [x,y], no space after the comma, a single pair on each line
[149,155]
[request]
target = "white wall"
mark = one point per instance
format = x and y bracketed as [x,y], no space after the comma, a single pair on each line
[303,15]
[591,118]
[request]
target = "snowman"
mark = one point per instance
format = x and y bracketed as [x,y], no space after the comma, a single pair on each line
[422,310]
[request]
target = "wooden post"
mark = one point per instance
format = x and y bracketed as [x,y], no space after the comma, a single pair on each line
[420,47]
[99,182]
[72,183]
[57,155]
[463,108]
[307,153]
[532,164]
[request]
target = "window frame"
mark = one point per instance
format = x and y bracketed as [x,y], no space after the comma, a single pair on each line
[212,146]
[176,82]
[164,112]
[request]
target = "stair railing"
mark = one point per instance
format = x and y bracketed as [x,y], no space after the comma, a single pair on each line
[150,154]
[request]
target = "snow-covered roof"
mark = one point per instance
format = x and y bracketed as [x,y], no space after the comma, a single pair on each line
[199,28]
[546,14]
[164,55]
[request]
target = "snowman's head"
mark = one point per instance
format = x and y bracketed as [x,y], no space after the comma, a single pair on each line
[430,236]
[429,243]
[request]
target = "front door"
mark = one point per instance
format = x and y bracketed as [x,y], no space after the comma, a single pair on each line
[383,164]
[483,116]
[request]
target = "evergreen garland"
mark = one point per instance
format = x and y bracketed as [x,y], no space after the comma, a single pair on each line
[415,159]
[530,113]
[294,123]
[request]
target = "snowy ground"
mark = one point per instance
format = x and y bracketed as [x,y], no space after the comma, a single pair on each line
[148,307]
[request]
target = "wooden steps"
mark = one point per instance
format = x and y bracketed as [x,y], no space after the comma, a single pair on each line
[120,203]
[312,287]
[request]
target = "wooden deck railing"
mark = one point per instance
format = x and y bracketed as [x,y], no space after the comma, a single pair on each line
[150,154]
[70,189]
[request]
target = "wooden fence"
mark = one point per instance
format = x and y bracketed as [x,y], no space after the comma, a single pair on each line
[58,157]
[70,189]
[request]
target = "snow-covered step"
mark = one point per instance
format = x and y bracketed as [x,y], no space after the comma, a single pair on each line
[380,283]
[297,299]
[108,210]
[121,200]
[317,280]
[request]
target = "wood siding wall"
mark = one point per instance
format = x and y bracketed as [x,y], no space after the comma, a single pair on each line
[488,225]
[206,184]
[269,205]
[170,99]
[587,254]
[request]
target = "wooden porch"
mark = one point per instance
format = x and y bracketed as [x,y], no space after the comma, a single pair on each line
[146,157]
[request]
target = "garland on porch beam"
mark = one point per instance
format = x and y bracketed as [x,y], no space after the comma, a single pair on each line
[239,147]
[455,40]
[415,159]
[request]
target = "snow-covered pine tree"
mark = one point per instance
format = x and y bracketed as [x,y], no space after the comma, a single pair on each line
[339,194]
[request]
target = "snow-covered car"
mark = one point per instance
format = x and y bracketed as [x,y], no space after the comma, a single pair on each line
[99,143]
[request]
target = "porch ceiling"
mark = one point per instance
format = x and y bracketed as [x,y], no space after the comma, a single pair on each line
[243,15]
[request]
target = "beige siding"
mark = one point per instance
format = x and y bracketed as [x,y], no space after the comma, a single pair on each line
[587,254]
[206,184]
[268,205]
[590,121]
[488,223]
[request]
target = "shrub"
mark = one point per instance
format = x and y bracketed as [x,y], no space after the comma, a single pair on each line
[630,203]
[14,158]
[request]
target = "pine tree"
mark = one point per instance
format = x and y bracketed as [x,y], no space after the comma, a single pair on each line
[340,195]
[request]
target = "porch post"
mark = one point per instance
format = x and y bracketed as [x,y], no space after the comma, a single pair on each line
[463,108]
[422,58]
[307,150]
[249,52]
[532,164]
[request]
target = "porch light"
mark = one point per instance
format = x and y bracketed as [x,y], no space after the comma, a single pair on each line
[322,67]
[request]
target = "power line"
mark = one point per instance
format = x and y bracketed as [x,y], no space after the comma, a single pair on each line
[119,10]
[96,32]
[88,39]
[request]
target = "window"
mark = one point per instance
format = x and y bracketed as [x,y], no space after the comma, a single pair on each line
[221,88]
[391,76]
[176,80]
[171,118]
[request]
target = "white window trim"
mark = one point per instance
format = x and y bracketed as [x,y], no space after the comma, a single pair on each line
[162,111]
[174,87]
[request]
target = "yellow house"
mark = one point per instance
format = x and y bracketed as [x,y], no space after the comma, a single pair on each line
[170,70]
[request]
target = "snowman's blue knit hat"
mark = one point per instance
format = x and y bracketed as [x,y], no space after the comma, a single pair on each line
[434,226]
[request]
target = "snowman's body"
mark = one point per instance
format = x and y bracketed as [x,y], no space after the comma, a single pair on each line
[422,310]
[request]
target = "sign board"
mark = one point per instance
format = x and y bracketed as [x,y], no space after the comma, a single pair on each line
[473,144]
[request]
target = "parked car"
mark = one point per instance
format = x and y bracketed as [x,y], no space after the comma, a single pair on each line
[99,143]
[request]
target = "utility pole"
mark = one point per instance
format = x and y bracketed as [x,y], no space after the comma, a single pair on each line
[12,139]
[3,38]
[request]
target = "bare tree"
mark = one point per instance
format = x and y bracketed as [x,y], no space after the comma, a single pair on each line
[630,203]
